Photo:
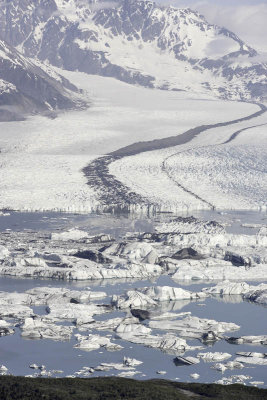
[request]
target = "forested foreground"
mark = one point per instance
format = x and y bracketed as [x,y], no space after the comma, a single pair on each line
[20,388]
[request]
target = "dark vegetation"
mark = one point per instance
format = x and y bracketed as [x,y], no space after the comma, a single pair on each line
[20,388]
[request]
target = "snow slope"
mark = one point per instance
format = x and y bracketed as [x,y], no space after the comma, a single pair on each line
[41,159]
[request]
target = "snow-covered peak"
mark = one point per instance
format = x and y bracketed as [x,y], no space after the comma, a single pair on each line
[136,41]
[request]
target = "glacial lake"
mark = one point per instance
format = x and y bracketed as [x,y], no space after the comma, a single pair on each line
[17,353]
[119,224]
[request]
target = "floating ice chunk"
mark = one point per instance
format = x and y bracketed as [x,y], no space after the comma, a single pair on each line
[110,366]
[228,288]
[131,362]
[256,383]
[135,252]
[179,361]
[212,357]
[151,296]
[109,324]
[168,315]
[195,327]
[173,265]
[217,240]
[72,234]
[248,339]
[132,299]
[263,231]
[167,343]
[195,376]
[132,326]
[126,374]
[161,372]
[4,252]
[94,342]
[168,293]
[257,294]
[14,298]
[72,268]
[220,270]
[233,379]
[252,293]
[78,313]
[190,225]
[37,328]
[5,328]
[49,295]
[252,358]
[229,365]
[33,366]
[170,342]
[15,311]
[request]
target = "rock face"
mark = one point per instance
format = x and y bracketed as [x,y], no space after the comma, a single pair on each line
[131,41]
[26,88]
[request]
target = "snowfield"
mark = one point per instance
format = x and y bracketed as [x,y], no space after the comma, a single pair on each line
[42,159]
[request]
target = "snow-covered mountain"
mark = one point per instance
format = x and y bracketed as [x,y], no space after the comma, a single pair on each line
[135,41]
[26,88]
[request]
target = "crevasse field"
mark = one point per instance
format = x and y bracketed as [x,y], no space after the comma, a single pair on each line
[42,159]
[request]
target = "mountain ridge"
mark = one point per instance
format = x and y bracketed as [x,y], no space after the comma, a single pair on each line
[26,88]
[138,42]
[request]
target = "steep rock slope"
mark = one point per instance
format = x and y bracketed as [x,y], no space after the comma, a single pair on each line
[136,41]
[25,88]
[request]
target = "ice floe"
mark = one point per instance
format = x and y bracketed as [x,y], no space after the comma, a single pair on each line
[151,296]
[229,365]
[241,379]
[261,339]
[180,361]
[18,312]
[213,357]
[36,328]
[72,234]
[78,313]
[195,376]
[257,294]
[219,270]
[194,327]
[135,252]
[49,295]
[95,342]
[252,358]
[5,328]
